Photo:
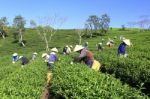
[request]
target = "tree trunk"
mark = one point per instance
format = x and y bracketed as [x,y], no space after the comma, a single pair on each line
[20,38]
[3,35]
[23,44]
[46,42]
[80,39]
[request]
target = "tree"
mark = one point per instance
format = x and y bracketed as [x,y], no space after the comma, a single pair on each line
[123,27]
[33,24]
[104,23]
[93,22]
[19,23]
[87,30]
[144,22]
[80,34]
[3,24]
[48,28]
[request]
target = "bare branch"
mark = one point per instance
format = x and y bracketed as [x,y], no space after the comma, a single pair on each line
[50,26]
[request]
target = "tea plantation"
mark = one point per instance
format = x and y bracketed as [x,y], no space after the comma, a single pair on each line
[119,78]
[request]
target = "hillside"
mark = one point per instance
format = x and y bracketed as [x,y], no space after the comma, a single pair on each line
[132,72]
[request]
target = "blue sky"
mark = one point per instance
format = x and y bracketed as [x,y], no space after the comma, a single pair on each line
[76,11]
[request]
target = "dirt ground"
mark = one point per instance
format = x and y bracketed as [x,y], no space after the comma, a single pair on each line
[45,94]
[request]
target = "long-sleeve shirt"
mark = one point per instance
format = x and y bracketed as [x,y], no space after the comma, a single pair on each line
[24,60]
[87,57]
[15,58]
[52,57]
[122,48]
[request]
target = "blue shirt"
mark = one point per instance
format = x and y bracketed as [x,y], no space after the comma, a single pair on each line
[15,58]
[122,48]
[52,58]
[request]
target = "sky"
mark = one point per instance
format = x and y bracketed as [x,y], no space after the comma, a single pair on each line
[76,12]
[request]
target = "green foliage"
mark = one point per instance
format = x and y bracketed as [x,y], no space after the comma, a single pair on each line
[19,22]
[22,83]
[104,23]
[3,22]
[77,81]
[97,25]
[134,69]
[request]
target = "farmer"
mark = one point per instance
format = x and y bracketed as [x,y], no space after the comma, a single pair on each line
[110,43]
[15,58]
[68,51]
[24,60]
[34,55]
[52,58]
[46,57]
[100,47]
[65,50]
[87,57]
[122,48]
[71,47]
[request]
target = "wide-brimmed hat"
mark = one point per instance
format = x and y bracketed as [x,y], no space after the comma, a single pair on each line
[67,46]
[54,49]
[44,54]
[78,48]
[100,43]
[127,42]
[107,43]
[15,54]
[71,46]
[35,53]
[20,57]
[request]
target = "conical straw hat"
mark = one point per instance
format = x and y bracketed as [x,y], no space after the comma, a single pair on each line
[15,54]
[35,53]
[44,54]
[78,48]
[127,42]
[54,49]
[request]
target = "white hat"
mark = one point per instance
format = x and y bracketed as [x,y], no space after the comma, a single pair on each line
[67,46]
[111,41]
[15,54]
[127,42]
[100,43]
[107,43]
[71,46]
[123,38]
[78,48]
[54,49]
[20,57]
[44,54]
[35,53]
